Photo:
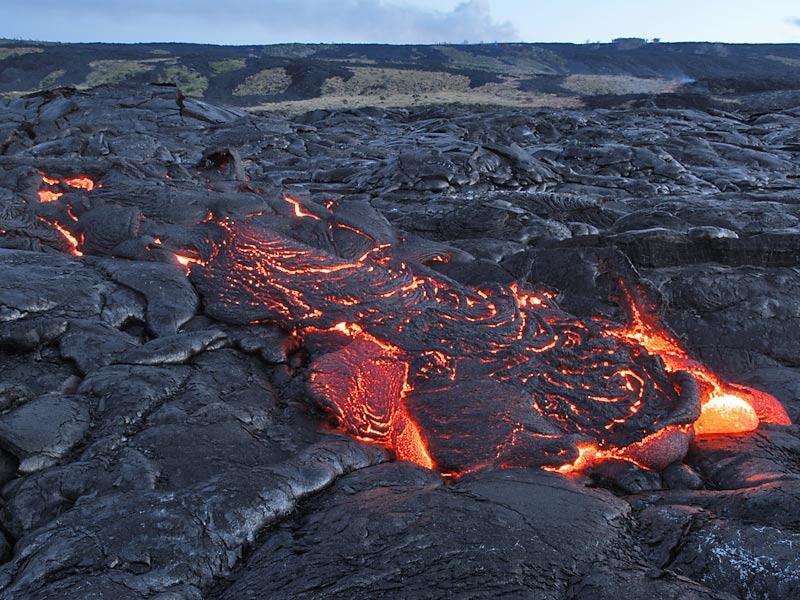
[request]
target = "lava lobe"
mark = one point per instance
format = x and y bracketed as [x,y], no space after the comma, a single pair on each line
[453,377]
[457,378]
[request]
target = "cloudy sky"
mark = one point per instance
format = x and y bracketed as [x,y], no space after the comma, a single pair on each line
[398,21]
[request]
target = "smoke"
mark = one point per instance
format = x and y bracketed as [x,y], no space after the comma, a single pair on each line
[251,21]
[793,21]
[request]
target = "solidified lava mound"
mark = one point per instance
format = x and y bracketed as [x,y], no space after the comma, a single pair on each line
[447,353]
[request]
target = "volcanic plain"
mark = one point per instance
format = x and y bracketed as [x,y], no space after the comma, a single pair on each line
[413,352]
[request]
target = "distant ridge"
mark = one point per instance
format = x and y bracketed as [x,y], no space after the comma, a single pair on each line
[298,77]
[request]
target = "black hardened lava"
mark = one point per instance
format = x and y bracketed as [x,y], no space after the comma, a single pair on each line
[417,353]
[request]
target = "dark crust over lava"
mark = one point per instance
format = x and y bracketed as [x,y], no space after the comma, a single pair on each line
[151,448]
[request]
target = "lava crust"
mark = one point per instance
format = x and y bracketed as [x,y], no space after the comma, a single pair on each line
[539,383]
[383,352]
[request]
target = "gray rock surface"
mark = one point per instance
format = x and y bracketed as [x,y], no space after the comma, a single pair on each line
[44,430]
[157,444]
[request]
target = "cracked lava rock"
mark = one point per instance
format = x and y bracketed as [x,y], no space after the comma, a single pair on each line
[411,353]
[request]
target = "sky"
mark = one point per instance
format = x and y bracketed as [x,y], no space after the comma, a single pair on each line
[249,22]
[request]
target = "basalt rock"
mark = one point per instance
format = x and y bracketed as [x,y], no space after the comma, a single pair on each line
[226,337]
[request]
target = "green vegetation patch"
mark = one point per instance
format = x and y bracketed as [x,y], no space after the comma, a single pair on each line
[295,50]
[11,52]
[108,72]
[789,62]
[51,78]
[218,67]
[515,59]
[188,81]
[370,81]
[268,81]
[595,85]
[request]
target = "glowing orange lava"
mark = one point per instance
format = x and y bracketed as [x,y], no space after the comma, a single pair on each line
[48,196]
[83,183]
[299,211]
[184,260]
[587,454]
[67,235]
[80,182]
[393,343]
[431,364]
[726,413]
[369,399]
[725,408]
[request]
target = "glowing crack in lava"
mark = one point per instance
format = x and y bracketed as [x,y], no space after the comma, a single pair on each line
[458,378]
[74,242]
[48,194]
[51,191]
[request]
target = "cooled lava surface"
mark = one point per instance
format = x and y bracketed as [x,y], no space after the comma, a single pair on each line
[372,353]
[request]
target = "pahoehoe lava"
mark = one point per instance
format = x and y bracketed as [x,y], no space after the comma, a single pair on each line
[453,377]
[420,353]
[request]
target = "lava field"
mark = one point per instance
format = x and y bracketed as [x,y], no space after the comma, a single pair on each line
[407,353]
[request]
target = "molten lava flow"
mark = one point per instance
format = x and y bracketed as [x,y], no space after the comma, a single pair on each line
[725,408]
[587,454]
[66,234]
[299,211]
[452,376]
[455,377]
[365,385]
[726,413]
[439,373]
[83,183]
[656,451]
[185,261]
[47,195]
[80,182]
